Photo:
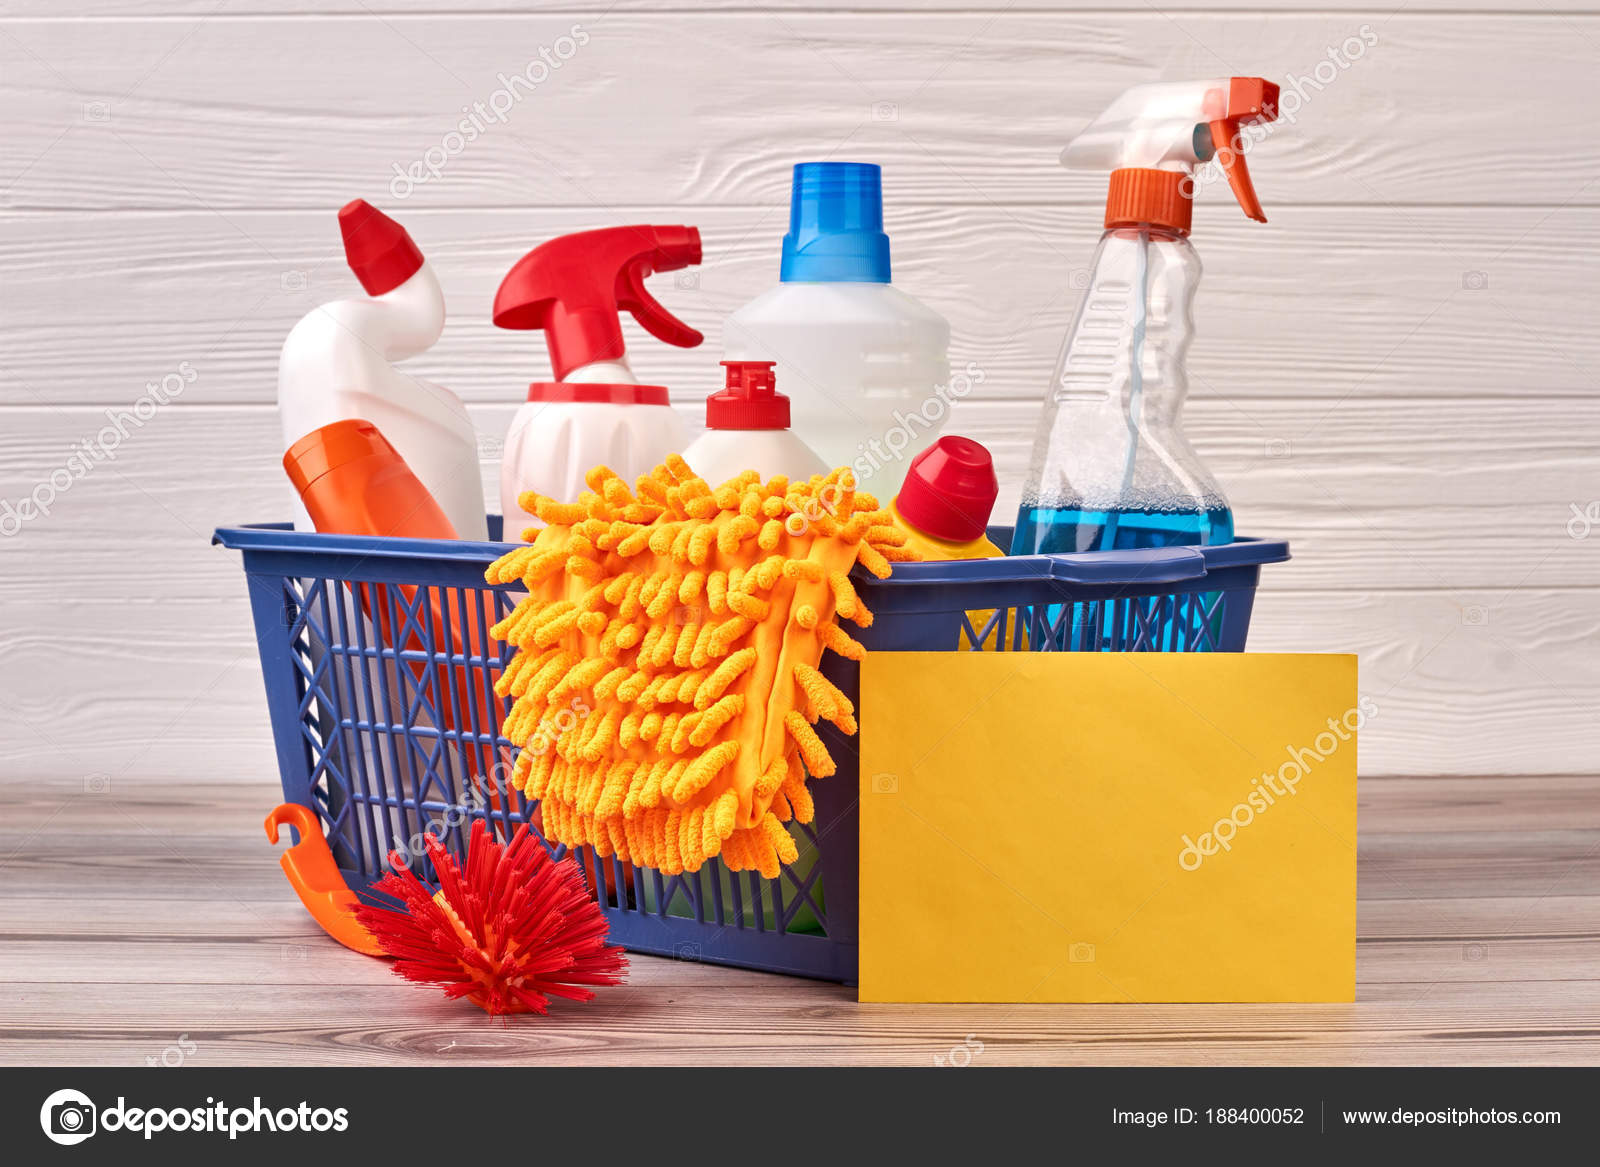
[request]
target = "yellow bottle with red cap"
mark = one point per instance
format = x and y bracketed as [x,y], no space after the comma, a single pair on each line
[944,505]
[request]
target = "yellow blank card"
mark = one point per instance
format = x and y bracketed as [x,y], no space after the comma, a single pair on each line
[1108,827]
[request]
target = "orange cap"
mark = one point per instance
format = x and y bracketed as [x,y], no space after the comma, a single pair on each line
[331,447]
[1161,198]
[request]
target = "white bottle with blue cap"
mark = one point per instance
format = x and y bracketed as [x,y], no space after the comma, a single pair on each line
[865,365]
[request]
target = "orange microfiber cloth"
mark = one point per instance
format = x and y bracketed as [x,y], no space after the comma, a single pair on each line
[666,676]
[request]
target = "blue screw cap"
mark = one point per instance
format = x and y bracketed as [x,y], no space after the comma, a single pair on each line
[836,225]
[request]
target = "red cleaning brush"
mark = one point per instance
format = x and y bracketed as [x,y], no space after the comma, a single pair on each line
[512,931]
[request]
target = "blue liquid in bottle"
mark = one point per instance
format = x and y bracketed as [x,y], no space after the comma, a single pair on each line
[1064,530]
[1164,624]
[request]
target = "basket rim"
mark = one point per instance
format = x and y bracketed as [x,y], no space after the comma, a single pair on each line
[1146,565]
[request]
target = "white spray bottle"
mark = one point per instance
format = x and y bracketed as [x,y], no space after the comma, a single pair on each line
[1111,467]
[338,364]
[595,412]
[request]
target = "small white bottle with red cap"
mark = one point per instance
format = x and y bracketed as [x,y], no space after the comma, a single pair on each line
[338,364]
[747,428]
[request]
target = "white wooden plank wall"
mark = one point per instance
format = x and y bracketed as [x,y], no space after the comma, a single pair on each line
[1397,373]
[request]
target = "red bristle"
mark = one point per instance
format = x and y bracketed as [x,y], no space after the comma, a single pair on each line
[528,930]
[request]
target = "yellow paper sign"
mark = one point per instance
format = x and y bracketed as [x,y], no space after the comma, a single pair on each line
[1076,827]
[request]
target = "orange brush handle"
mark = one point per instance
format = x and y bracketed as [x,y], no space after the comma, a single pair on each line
[315,877]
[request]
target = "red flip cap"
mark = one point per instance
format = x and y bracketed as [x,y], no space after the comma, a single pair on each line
[377,248]
[749,399]
[949,490]
[575,286]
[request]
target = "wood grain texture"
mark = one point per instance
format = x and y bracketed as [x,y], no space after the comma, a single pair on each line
[244,113]
[1477,661]
[1396,374]
[208,10]
[1374,497]
[1343,305]
[153,922]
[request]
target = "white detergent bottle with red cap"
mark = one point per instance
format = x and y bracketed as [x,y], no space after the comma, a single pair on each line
[747,428]
[595,412]
[1112,468]
[866,365]
[338,364]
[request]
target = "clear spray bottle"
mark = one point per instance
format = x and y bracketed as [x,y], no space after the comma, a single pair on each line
[1111,466]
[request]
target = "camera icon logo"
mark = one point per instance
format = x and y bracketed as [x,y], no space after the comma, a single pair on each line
[68,1117]
[885,111]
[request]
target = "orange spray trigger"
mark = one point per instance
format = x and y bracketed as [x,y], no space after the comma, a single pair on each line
[1224,134]
[1250,100]
[315,877]
[1154,137]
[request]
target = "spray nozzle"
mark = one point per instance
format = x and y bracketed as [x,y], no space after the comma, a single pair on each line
[1169,127]
[573,288]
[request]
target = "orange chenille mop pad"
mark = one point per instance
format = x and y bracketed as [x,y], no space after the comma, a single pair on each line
[666,676]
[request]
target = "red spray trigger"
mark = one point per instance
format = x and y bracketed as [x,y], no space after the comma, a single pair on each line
[573,287]
[676,247]
[1250,100]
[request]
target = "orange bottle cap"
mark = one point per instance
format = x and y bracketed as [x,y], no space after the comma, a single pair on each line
[332,446]
[1160,198]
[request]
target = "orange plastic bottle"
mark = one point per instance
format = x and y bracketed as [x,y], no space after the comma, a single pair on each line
[353,482]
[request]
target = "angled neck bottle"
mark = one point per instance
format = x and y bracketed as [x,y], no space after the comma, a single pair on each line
[1111,466]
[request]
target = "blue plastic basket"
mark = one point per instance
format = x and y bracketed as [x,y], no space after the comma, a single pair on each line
[357,728]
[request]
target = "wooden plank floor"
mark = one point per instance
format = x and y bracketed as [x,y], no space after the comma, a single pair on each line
[152,922]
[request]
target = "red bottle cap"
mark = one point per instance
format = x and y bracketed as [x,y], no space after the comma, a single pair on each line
[377,248]
[949,490]
[599,393]
[750,399]
[332,446]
